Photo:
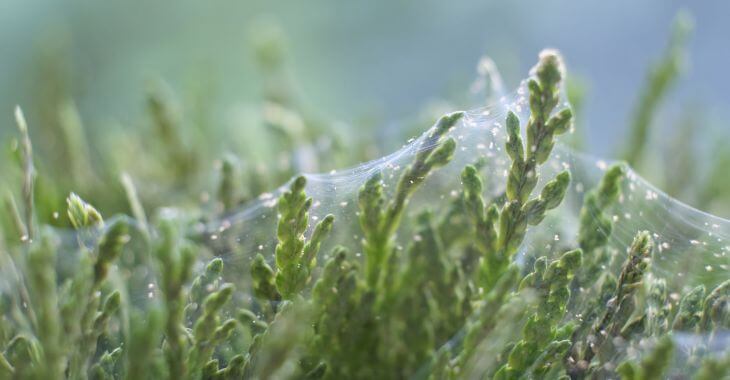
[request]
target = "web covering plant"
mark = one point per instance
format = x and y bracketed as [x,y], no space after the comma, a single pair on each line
[599,275]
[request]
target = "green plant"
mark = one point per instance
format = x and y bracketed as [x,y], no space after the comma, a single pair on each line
[442,289]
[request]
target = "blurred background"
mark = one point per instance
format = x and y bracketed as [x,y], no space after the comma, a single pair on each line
[98,81]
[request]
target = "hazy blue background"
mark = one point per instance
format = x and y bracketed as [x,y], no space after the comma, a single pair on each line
[349,60]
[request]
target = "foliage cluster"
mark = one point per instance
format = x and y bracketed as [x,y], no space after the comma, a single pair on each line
[453,303]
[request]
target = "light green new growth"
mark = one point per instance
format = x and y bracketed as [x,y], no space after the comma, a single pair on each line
[500,232]
[81,214]
[296,257]
[379,219]
[86,300]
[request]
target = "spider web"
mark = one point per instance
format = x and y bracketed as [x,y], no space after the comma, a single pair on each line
[692,247]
